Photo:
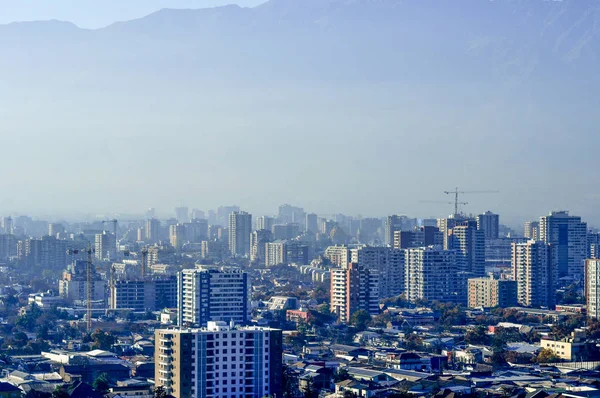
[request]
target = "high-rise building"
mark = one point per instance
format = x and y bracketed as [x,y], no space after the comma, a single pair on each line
[198,214]
[223,214]
[141,295]
[291,214]
[569,235]
[182,214]
[73,285]
[105,246]
[490,293]
[258,242]
[354,288]
[311,223]
[47,252]
[8,246]
[240,228]
[275,253]
[152,230]
[220,360]
[532,230]
[392,224]
[431,274]
[489,223]
[265,222]
[177,235]
[469,244]
[7,225]
[389,264]
[54,229]
[214,250]
[423,236]
[338,255]
[534,267]
[286,252]
[592,288]
[213,294]
[197,230]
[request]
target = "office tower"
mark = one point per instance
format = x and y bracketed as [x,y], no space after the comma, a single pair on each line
[392,224]
[240,228]
[198,214]
[223,213]
[54,229]
[220,360]
[177,235]
[311,223]
[354,288]
[182,214]
[214,250]
[258,242]
[592,288]
[105,247]
[265,222]
[469,244]
[534,267]
[489,223]
[7,225]
[213,294]
[569,236]
[490,293]
[152,230]
[532,230]
[140,295]
[431,274]
[390,266]
[197,230]
[423,236]
[8,246]
[338,255]
[73,285]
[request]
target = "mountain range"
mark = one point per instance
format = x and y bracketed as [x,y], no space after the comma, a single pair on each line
[376,89]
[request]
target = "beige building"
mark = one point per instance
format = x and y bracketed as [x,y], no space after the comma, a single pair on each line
[490,293]
[571,348]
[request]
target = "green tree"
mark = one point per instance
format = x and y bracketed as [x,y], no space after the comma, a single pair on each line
[381,320]
[60,392]
[102,340]
[290,383]
[309,390]
[341,375]
[360,319]
[546,355]
[102,383]
[477,336]
[160,392]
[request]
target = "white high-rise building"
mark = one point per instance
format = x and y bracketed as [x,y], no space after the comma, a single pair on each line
[240,228]
[221,360]
[569,235]
[431,274]
[592,288]
[534,268]
[213,294]
[105,246]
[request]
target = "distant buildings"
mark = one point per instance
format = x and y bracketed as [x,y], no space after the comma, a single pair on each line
[152,230]
[240,228]
[285,252]
[534,267]
[423,236]
[490,293]
[389,264]
[140,295]
[354,288]
[213,294]
[569,235]
[105,246]
[219,361]
[592,288]
[258,242]
[532,230]
[73,285]
[469,244]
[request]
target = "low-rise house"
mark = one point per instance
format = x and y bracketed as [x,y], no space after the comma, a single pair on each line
[353,387]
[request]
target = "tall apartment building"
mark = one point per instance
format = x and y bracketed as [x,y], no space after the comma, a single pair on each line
[490,293]
[196,231]
[489,223]
[214,250]
[46,252]
[532,230]
[423,236]
[213,294]
[338,255]
[389,264]
[240,228]
[274,253]
[311,223]
[73,285]
[592,288]
[569,235]
[219,361]
[353,288]
[258,241]
[177,235]
[285,252]
[105,246]
[152,230]
[142,295]
[469,244]
[392,224]
[593,245]
[534,267]
[291,214]
[264,223]
[8,246]
[182,214]
[431,274]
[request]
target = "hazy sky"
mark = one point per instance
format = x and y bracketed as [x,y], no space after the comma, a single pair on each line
[98,13]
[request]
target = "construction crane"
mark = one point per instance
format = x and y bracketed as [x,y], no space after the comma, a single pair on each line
[456,193]
[88,282]
[443,202]
[144,261]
